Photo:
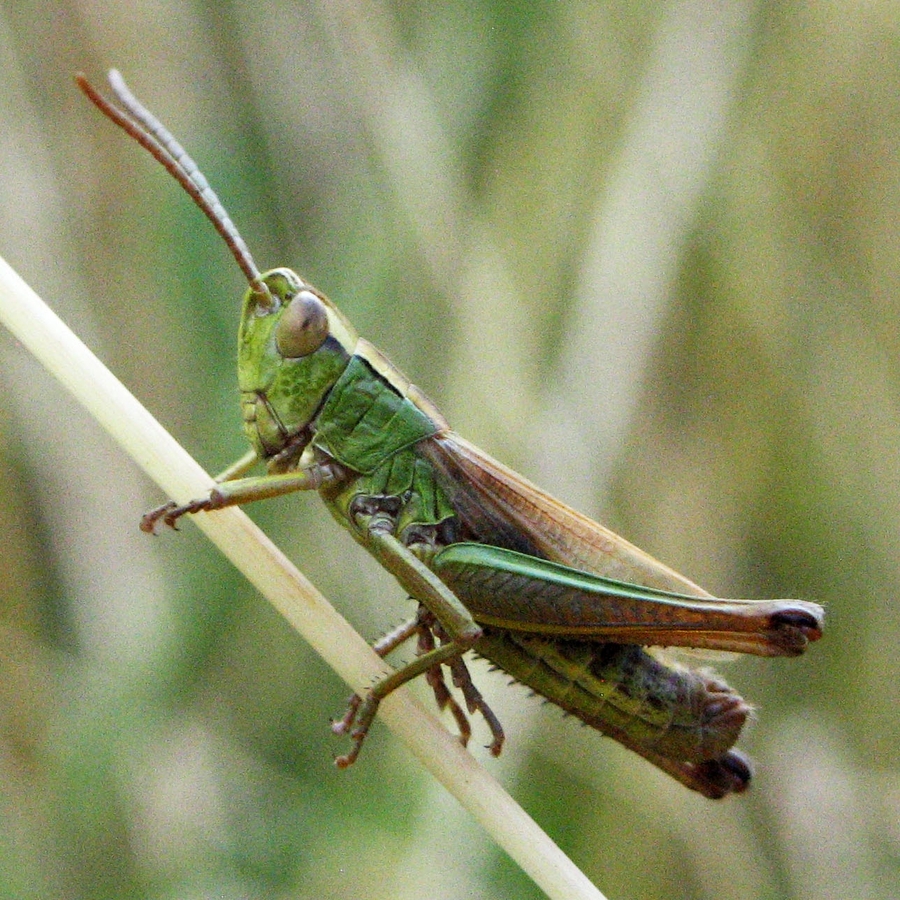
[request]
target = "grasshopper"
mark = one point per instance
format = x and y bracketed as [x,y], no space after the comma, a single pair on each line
[495,564]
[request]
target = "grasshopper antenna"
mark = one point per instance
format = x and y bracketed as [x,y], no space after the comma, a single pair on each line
[137,121]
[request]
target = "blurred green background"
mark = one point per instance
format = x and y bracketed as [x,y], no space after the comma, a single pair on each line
[645,253]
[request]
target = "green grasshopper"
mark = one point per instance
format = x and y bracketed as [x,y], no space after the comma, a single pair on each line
[495,564]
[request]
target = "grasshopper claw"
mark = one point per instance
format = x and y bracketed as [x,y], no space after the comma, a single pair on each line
[149,520]
[170,513]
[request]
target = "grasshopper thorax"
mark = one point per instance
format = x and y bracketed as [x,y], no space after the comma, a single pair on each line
[292,348]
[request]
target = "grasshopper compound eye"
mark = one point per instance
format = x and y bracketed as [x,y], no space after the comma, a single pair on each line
[303,326]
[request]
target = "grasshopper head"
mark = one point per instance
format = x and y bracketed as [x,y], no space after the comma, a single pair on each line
[293,343]
[292,348]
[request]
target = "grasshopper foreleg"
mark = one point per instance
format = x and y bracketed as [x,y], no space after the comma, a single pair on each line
[238,492]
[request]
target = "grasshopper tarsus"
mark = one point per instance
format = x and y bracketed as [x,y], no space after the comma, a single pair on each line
[726,712]
[172,517]
[169,513]
[150,519]
[347,760]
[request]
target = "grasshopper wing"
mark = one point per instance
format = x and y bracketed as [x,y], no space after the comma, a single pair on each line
[503,508]
[625,604]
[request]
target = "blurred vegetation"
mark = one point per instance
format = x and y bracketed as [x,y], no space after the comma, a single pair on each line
[646,253]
